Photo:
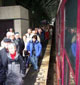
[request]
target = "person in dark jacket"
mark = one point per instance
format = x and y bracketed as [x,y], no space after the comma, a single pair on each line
[12,37]
[20,43]
[41,35]
[15,66]
[34,47]
[3,61]
[2,73]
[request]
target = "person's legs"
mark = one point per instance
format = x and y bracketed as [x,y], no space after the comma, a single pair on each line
[34,61]
[31,60]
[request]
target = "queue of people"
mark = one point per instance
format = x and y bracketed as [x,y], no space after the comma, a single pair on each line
[14,49]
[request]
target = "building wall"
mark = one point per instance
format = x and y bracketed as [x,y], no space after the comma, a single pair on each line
[24,26]
[24,13]
[21,26]
[10,12]
[17,26]
[20,16]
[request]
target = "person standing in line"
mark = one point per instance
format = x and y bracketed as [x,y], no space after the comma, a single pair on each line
[16,68]
[20,43]
[36,33]
[3,61]
[8,34]
[27,37]
[12,37]
[41,35]
[11,30]
[34,47]
[36,30]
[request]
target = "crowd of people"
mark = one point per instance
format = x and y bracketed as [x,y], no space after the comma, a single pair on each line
[14,49]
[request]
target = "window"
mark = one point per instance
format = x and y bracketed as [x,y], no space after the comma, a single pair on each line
[70,30]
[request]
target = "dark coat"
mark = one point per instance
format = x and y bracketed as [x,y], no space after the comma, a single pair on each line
[18,61]
[20,45]
[3,64]
[15,70]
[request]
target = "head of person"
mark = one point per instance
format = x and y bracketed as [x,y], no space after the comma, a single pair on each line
[11,30]
[8,34]
[12,37]
[34,38]
[17,35]
[33,32]
[39,30]
[29,31]
[12,48]
[6,42]
[36,30]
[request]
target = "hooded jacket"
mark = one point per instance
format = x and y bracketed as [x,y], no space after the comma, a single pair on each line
[37,47]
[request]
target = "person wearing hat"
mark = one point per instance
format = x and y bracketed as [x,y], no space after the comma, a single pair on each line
[34,47]
[3,60]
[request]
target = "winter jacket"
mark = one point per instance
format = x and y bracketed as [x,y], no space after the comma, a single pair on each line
[2,72]
[20,45]
[3,64]
[18,61]
[37,47]
[15,70]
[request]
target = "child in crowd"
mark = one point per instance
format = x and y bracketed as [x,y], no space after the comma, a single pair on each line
[15,67]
